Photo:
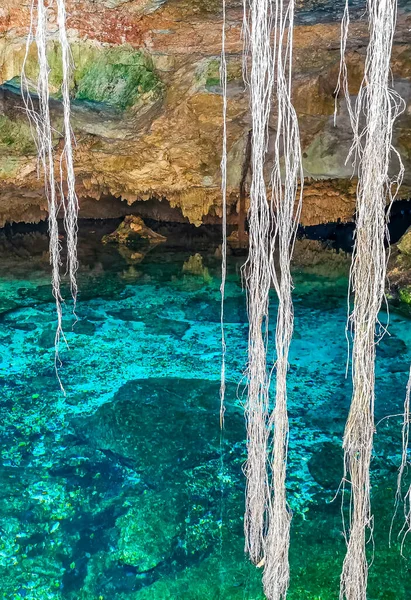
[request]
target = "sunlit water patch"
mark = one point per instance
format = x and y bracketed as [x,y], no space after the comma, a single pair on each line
[124,488]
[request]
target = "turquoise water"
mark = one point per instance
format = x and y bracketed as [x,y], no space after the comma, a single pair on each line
[117,491]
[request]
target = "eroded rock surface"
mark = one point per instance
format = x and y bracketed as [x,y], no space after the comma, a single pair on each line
[147,106]
[133,228]
[399,272]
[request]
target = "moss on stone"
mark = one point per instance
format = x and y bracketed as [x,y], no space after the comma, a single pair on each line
[9,167]
[405,295]
[212,82]
[147,531]
[15,136]
[116,76]
[212,72]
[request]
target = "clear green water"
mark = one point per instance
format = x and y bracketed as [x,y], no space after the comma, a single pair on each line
[116,491]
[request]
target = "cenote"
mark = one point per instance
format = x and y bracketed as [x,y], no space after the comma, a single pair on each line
[124,488]
[205,300]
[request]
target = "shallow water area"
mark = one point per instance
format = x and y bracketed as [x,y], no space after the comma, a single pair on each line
[124,487]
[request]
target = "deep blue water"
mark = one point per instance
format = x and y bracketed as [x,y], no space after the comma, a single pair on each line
[117,491]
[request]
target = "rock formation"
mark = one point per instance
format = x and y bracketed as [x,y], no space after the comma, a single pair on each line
[131,229]
[147,108]
[399,272]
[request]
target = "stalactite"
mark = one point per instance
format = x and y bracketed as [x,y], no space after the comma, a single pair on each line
[378,106]
[43,135]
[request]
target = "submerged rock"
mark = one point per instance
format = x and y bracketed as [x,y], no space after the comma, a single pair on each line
[137,422]
[133,228]
[147,530]
[194,265]
[391,347]
[326,465]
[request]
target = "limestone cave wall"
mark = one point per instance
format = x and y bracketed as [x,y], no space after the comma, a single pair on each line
[147,107]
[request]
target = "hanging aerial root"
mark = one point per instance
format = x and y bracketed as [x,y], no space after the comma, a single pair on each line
[371,152]
[40,121]
[71,206]
[44,141]
[286,204]
[258,30]
[223,78]
[399,497]
[268,29]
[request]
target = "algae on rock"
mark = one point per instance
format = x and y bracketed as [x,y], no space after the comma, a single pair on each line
[147,531]
[15,136]
[116,76]
[399,272]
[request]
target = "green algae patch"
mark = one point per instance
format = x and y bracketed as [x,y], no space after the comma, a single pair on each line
[15,141]
[117,77]
[15,136]
[212,72]
[405,295]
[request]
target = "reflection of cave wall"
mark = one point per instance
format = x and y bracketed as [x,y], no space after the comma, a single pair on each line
[156,209]
[109,207]
[25,207]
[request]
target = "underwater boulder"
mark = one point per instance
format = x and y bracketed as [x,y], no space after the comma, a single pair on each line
[391,347]
[47,337]
[194,266]
[209,311]
[147,530]
[170,327]
[326,465]
[84,327]
[162,426]
[330,414]
[40,293]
